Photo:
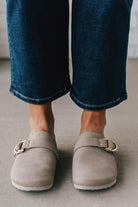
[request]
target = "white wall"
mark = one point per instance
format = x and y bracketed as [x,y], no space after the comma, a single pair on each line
[133,37]
[4,50]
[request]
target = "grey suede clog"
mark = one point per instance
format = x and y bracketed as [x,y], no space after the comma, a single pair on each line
[35,162]
[94,165]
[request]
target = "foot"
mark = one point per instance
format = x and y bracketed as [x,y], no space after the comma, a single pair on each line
[35,163]
[41,119]
[93,167]
[93,121]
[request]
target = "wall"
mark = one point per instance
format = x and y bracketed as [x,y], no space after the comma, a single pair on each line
[133,36]
[4,50]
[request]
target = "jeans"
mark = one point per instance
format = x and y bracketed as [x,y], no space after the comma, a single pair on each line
[39,57]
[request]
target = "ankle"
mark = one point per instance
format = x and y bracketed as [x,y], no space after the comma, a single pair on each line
[41,119]
[93,121]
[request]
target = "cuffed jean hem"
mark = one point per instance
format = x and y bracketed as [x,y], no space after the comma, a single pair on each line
[40,101]
[100,107]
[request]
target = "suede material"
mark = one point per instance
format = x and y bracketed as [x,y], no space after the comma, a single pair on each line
[92,166]
[35,167]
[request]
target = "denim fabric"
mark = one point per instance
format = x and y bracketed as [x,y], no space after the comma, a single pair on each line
[38,45]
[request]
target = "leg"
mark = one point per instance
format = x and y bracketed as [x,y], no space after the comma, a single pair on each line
[100,32]
[38,43]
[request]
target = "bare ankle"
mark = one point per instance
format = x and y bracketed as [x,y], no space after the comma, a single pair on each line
[41,119]
[93,121]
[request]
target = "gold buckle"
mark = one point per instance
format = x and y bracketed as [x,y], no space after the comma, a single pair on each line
[18,151]
[111,149]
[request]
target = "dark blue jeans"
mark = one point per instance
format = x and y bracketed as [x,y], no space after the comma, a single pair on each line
[38,45]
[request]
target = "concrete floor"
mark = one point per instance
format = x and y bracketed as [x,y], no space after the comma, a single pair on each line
[122,126]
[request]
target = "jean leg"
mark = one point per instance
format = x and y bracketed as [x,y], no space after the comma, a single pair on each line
[38,45]
[100,31]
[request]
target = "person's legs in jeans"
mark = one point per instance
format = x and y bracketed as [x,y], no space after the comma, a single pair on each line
[38,43]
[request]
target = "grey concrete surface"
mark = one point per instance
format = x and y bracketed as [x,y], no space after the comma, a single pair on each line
[122,126]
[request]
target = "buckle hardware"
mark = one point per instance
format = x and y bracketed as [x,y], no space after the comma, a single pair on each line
[18,149]
[109,149]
